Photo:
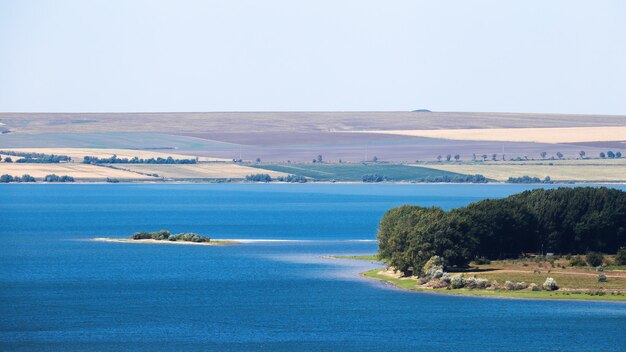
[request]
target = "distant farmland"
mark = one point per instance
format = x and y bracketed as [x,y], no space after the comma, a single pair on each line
[355,172]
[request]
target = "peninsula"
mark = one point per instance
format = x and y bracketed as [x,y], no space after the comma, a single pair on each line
[566,243]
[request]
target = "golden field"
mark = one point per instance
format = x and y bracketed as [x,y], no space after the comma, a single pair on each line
[563,172]
[198,171]
[551,135]
[76,170]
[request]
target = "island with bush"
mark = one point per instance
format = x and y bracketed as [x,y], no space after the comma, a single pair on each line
[566,243]
[166,237]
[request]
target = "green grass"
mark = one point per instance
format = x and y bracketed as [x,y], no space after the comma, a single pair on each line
[411,284]
[355,172]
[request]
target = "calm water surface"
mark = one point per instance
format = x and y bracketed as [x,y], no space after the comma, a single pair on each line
[61,292]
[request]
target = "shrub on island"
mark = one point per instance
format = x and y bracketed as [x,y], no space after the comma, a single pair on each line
[165,235]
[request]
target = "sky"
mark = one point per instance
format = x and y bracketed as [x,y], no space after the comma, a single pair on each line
[128,56]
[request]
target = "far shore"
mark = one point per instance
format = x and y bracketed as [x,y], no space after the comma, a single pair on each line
[213,242]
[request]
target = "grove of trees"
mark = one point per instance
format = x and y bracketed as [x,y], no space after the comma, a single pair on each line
[36,157]
[6,178]
[561,221]
[165,235]
[136,160]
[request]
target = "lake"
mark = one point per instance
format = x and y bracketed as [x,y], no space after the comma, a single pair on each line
[59,291]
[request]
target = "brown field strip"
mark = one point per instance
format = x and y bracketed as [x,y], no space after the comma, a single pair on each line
[77,154]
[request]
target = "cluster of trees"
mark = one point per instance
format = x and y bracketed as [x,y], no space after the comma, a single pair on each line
[6,178]
[561,221]
[259,178]
[611,155]
[135,160]
[165,235]
[374,178]
[34,157]
[456,179]
[528,179]
[56,178]
[292,179]
[319,159]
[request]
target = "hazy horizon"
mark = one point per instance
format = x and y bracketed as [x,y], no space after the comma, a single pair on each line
[246,56]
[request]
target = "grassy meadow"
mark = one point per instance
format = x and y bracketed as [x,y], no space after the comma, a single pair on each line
[355,172]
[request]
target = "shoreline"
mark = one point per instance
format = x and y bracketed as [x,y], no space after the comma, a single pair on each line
[375,274]
[213,242]
[205,182]
[411,284]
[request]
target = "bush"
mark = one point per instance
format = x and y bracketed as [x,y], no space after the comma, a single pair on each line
[534,287]
[511,286]
[374,178]
[292,179]
[550,284]
[55,178]
[620,257]
[476,283]
[457,281]
[482,261]
[6,178]
[601,277]
[577,261]
[112,180]
[189,237]
[594,258]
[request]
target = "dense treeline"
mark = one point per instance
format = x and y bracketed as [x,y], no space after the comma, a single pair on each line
[561,221]
[375,178]
[292,179]
[36,157]
[6,178]
[56,178]
[136,160]
[259,178]
[165,235]
[528,179]
[456,179]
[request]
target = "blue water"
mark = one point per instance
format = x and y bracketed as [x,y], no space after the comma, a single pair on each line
[61,292]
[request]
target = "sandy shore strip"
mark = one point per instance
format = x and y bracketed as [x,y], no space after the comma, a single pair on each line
[213,242]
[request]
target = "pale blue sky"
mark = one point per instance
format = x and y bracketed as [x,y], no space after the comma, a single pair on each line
[123,55]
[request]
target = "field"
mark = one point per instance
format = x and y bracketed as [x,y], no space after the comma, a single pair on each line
[197,171]
[77,154]
[355,172]
[610,172]
[535,135]
[81,172]
[299,137]
[254,122]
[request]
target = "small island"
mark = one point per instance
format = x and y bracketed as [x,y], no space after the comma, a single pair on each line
[565,243]
[166,237]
